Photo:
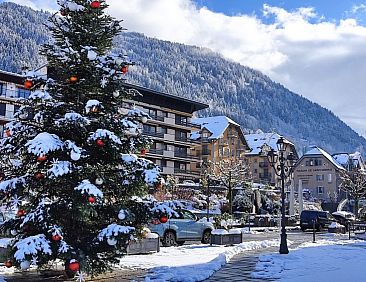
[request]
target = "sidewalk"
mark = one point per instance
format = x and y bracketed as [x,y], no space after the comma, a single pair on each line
[241,266]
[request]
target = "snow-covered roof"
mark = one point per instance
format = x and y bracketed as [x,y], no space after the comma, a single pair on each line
[314,151]
[342,158]
[257,140]
[216,125]
[350,161]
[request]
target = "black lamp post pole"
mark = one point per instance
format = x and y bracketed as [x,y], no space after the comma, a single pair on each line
[283,244]
[208,198]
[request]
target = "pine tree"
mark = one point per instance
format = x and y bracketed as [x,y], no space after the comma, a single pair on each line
[69,165]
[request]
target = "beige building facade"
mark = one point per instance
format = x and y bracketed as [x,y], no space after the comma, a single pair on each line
[319,173]
[220,139]
[261,170]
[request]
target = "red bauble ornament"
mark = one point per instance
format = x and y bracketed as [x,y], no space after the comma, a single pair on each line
[163,219]
[143,152]
[95,4]
[8,133]
[28,84]
[39,175]
[63,12]
[100,143]
[74,265]
[20,213]
[8,263]
[91,200]
[56,238]
[73,79]
[42,158]
[158,186]
[124,69]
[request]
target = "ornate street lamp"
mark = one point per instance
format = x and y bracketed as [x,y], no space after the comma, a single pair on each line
[282,164]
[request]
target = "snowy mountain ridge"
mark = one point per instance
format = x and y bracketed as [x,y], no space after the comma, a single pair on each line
[247,96]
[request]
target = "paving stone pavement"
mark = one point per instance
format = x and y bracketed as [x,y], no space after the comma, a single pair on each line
[242,265]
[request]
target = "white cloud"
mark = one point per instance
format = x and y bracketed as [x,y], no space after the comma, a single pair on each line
[321,60]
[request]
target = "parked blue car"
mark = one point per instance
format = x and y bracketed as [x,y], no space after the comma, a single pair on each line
[182,227]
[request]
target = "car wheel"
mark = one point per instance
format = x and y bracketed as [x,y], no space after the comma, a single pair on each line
[206,237]
[180,243]
[169,239]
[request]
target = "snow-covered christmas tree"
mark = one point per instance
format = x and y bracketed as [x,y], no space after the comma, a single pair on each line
[70,164]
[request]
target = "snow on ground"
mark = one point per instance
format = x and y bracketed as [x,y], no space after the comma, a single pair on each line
[191,262]
[333,259]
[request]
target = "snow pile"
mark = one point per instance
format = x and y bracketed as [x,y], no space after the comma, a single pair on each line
[219,232]
[325,261]
[335,225]
[44,143]
[190,263]
[85,187]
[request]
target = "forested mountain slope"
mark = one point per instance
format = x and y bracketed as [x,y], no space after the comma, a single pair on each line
[247,96]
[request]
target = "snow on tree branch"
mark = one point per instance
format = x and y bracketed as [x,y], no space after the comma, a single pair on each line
[32,246]
[85,187]
[44,143]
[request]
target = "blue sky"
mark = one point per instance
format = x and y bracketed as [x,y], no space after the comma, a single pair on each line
[315,48]
[330,9]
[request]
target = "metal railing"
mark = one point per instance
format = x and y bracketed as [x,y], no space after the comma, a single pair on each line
[179,154]
[156,151]
[179,170]
[153,134]
[157,117]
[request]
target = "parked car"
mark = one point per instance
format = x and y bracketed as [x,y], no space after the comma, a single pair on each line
[182,227]
[344,218]
[322,219]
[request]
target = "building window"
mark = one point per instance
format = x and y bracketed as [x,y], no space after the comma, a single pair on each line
[2,109]
[2,89]
[181,120]
[205,134]
[163,163]
[164,130]
[149,128]
[152,113]
[23,93]
[329,178]
[320,190]
[180,135]
[317,162]
[320,177]
[255,170]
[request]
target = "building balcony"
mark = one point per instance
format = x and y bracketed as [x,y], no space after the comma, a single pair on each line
[184,155]
[182,139]
[153,134]
[157,117]
[182,171]
[186,124]
[156,151]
